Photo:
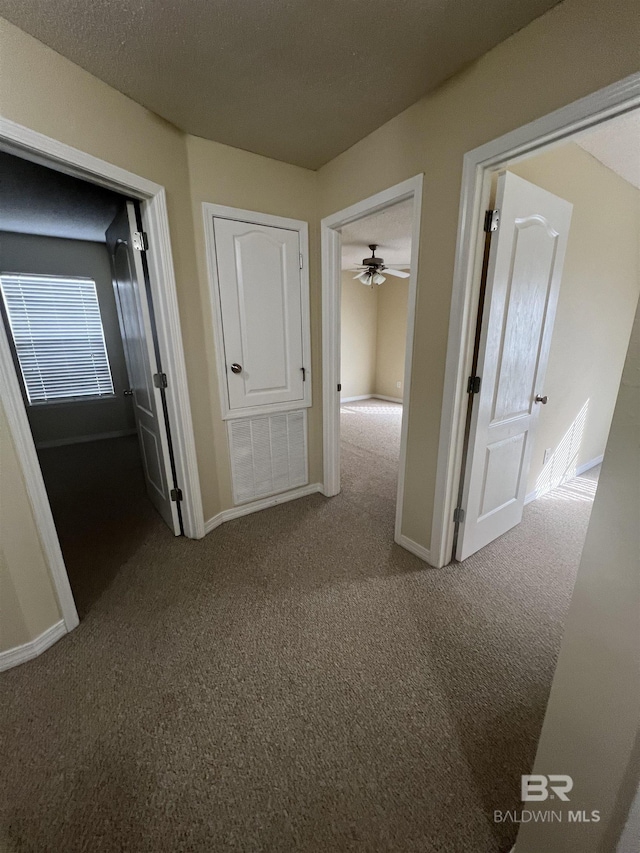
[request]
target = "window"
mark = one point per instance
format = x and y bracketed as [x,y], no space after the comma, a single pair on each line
[58,336]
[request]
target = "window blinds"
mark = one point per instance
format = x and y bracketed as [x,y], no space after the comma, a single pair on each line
[58,336]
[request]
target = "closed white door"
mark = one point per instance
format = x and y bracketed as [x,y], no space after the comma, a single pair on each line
[142,364]
[523,279]
[259,282]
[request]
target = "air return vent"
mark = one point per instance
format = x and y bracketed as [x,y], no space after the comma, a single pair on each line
[268,454]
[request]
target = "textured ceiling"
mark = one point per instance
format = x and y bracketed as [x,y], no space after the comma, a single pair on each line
[390,230]
[297,81]
[37,200]
[617,145]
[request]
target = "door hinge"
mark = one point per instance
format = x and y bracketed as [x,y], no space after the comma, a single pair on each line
[473,384]
[491,220]
[304,373]
[301,261]
[458,515]
[339,386]
[160,380]
[176,494]
[140,241]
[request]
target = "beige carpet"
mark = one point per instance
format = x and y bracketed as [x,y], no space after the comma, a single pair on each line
[294,682]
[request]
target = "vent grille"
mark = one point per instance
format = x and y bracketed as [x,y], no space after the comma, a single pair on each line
[268,454]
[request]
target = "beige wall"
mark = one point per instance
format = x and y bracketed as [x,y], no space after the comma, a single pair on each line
[393,301]
[358,337]
[591,724]
[373,337]
[28,605]
[576,48]
[223,175]
[596,304]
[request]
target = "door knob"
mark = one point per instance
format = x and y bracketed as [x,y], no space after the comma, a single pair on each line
[236,368]
[128,392]
[542,400]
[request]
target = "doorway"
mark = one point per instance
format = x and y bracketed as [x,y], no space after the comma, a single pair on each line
[368,333]
[36,148]
[568,412]
[72,309]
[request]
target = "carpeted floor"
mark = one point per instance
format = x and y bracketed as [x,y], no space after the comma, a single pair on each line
[295,682]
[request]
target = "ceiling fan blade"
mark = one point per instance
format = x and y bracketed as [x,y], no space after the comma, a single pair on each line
[398,273]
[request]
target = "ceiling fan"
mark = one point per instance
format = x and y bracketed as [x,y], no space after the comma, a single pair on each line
[372,268]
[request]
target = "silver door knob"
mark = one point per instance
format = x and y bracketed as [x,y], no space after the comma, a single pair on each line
[542,400]
[236,368]
[128,392]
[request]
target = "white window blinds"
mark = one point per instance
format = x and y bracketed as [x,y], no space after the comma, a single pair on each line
[57,332]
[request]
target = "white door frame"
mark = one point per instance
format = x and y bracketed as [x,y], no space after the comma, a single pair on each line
[478,166]
[34,146]
[331,295]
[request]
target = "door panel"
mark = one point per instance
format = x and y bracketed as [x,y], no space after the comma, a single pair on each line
[261,308]
[137,338]
[523,280]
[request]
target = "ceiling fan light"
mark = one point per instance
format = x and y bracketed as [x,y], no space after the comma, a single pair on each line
[378,278]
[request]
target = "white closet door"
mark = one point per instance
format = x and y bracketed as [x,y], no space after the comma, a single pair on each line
[258,269]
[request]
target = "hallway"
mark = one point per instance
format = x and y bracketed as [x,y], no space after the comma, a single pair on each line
[296,682]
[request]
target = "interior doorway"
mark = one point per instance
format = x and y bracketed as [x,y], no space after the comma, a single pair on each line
[555,307]
[78,323]
[370,256]
[375,263]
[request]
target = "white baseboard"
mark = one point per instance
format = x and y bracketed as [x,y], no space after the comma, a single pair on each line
[28,651]
[388,399]
[370,397]
[257,506]
[83,439]
[410,545]
[581,469]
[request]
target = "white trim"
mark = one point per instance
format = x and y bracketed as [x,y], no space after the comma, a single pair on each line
[28,651]
[331,289]
[83,439]
[370,397]
[238,215]
[388,399]
[581,469]
[257,506]
[34,146]
[414,547]
[155,220]
[478,165]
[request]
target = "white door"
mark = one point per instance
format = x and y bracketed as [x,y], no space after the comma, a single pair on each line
[523,279]
[259,281]
[142,364]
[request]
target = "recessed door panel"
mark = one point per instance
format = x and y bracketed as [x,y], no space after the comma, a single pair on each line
[502,473]
[528,290]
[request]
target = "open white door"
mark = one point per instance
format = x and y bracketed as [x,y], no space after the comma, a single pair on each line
[142,364]
[523,280]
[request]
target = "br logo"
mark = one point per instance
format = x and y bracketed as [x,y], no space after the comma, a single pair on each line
[538,787]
